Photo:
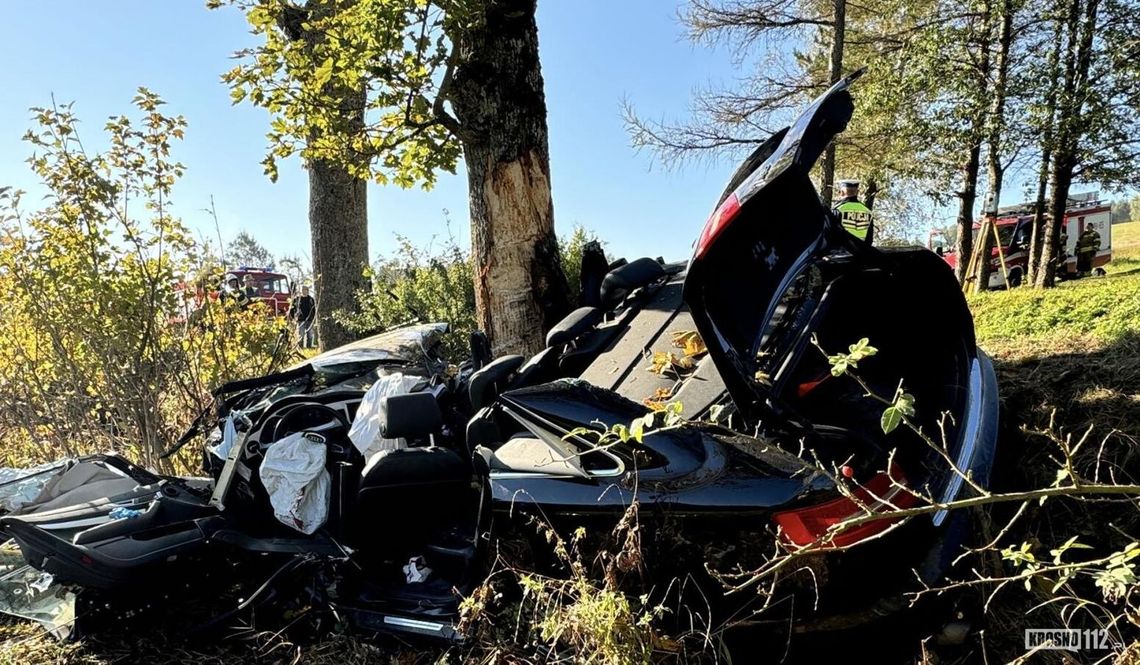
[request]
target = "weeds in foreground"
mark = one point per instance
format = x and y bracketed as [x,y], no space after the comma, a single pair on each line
[581,611]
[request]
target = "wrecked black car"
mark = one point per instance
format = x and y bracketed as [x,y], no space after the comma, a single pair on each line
[381,476]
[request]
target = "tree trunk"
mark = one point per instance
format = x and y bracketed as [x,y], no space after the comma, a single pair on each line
[1037,233]
[964,243]
[839,13]
[1069,132]
[994,170]
[968,196]
[338,205]
[497,95]
[1058,202]
[338,222]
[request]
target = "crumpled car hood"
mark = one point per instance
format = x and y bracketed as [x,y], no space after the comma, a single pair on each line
[409,344]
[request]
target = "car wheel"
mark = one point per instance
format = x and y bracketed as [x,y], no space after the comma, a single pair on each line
[1014,279]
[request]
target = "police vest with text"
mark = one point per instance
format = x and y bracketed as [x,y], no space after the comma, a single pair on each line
[855,218]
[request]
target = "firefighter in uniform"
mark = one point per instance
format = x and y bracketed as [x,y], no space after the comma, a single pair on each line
[853,215]
[1088,244]
[241,294]
[231,291]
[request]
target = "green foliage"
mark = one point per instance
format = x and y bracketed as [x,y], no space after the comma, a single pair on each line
[420,285]
[297,269]
[428,285]
[600,625]
[583,618]
[1118,578]
[92,351]
[351,81]
[571,248]
[841,362]
[1121,211]
[1114,575]
[901,408]
[898,409]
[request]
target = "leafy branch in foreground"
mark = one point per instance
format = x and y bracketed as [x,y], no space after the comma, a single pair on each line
[1113,574]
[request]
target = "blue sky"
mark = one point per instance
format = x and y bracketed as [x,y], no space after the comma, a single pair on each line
[595,53]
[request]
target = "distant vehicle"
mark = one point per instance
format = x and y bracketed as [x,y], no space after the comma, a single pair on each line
[272,288]
[1015,228]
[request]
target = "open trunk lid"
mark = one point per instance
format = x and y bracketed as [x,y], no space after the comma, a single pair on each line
[759,244]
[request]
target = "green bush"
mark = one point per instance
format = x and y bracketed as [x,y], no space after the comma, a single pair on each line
[93,355]
[429,285]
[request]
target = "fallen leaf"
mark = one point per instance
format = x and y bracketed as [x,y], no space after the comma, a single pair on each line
[690,343]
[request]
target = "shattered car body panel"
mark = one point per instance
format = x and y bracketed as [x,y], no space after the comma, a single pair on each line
[32,594]
[773,275]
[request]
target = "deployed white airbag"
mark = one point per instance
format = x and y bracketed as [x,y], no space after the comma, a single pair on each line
[294,474]
[365,430]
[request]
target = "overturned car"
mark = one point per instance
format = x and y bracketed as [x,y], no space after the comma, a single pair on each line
[380,476]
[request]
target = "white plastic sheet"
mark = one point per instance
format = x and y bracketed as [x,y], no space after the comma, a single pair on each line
[80,483]
[294,474]
[365,430]
[19,487]
[229,435]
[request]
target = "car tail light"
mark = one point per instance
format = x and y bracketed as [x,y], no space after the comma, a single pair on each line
[805,388]
[808,526]
[717,223]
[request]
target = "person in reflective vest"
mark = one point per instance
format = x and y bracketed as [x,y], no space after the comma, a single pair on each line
[853,215]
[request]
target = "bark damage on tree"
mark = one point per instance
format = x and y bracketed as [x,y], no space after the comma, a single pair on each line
[497,95]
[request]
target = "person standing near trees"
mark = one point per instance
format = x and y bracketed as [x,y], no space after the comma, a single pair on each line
[853,215]
[248,292]
[1088,244]
[302,312]
[231,291]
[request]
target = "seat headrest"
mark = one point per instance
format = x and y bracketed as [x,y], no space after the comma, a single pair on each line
[409,416]
[620,282]
[484,386]
[575,323]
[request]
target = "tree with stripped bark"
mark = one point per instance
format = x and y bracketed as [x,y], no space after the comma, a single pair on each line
[397,91]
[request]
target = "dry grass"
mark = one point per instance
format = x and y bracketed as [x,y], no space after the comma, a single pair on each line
[1069,356]
[1126,236]
[24,644]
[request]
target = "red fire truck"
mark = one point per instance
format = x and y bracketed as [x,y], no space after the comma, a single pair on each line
[271,288]
[1015,228]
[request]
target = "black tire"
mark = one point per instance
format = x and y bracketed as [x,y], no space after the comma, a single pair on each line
[1014,279]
